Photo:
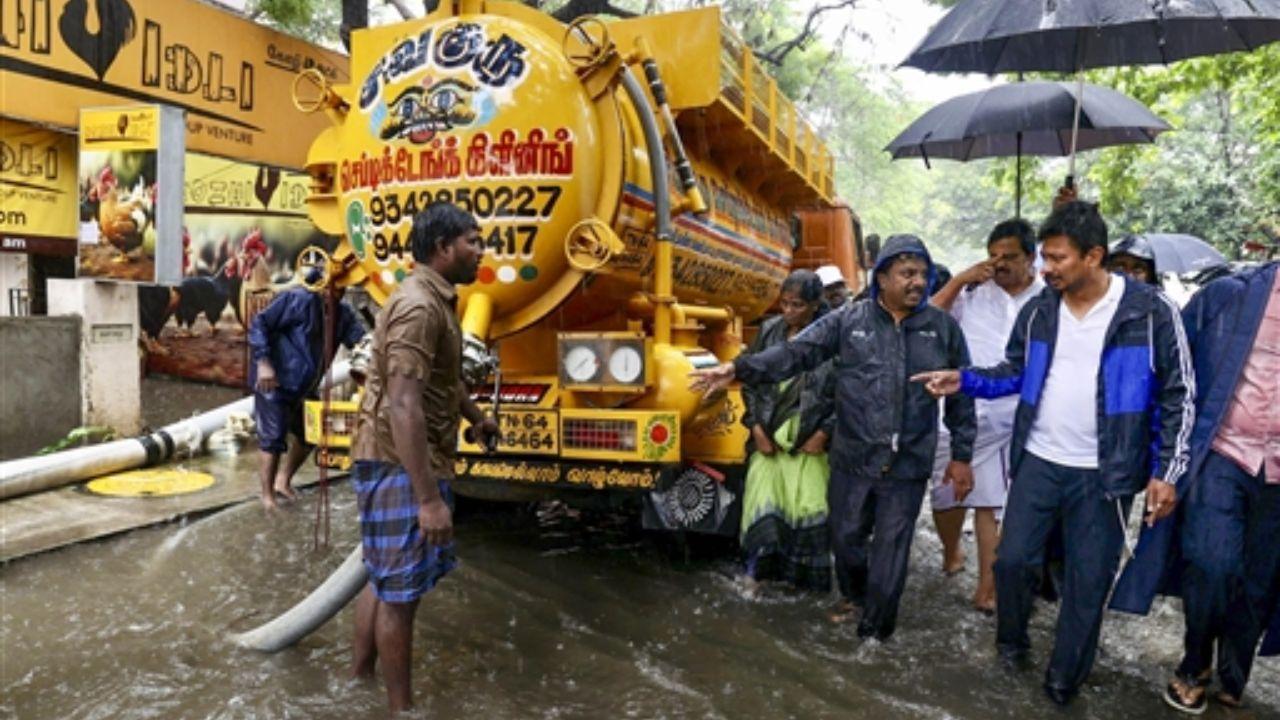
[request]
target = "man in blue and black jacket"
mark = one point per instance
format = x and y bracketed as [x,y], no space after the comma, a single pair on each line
[286,341]
[1091,358]
[886,427]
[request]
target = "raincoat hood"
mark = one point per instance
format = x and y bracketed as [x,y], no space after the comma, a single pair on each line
[904,245]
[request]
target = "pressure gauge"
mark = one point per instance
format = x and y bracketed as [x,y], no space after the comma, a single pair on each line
[581,364]
[626,364]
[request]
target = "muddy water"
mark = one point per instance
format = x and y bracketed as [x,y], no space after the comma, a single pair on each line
[550,616]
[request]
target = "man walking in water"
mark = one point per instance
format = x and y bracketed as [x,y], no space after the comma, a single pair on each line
[985,300]
[886,428]
[287,343]
[405,442]
[1093,356]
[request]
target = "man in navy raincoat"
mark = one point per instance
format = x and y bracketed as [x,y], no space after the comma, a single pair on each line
[886,427]
[1230,519]
[286,341]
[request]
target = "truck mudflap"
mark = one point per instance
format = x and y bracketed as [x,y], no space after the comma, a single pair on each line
[696,497]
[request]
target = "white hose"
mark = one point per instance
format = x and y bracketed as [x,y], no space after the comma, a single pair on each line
[315,609]
[186,437]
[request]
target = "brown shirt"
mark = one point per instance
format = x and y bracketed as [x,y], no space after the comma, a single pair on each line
[417,336]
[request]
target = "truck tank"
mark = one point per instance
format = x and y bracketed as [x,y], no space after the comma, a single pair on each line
[635,183]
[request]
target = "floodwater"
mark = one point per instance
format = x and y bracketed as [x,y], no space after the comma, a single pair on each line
[551,615]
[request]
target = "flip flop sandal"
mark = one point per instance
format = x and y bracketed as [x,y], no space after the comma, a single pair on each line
[1186,697]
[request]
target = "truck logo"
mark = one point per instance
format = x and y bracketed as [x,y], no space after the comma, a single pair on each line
[418,113]
[497,64]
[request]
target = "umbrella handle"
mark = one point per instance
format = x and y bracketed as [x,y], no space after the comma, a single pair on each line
[1070,184]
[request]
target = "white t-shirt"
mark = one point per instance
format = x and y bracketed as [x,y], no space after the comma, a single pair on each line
[986,315]
[1065,430]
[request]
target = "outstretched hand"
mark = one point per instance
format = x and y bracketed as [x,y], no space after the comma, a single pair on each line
[939,383]
[711,379]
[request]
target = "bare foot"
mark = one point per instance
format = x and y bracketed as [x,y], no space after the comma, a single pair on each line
[953,566]
[986,607]
[286,492]
[842,612]
[269,502]
[749,587]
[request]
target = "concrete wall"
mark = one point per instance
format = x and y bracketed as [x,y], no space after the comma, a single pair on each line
[39,382]
[110,381]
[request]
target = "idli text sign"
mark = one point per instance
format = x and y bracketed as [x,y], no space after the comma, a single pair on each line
[38,194]
[233,77]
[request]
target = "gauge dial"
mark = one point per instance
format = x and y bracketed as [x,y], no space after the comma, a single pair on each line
[581,364]
[625,364]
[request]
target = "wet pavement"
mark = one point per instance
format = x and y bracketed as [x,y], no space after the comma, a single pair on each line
[551,615]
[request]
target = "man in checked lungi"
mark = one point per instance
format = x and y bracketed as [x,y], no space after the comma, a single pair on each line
[405,442]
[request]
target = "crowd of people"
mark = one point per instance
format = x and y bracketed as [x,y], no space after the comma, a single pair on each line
[1045,401]
[1066,398]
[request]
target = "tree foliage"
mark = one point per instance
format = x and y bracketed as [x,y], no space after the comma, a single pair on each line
[1217,175]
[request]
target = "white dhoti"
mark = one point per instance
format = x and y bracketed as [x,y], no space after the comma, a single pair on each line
[990,461]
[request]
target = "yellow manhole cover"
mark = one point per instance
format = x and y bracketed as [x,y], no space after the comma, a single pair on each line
[157,482]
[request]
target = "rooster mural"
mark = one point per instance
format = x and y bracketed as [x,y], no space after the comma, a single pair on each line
[125,217]
[117,215]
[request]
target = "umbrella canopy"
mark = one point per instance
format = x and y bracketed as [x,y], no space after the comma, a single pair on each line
[1031,118]
[993,36]
[1182,254]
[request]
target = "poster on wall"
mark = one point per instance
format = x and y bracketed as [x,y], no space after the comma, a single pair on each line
[37,190]
[244,227]
[131,193]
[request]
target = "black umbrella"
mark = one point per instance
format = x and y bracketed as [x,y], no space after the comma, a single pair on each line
[992,36]
[1031,118]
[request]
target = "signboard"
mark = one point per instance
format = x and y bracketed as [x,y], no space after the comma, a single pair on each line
[243,230]
[38,192]
[131,177]
[233,76]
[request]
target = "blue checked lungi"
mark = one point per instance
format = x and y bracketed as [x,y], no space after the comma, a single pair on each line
[402,566]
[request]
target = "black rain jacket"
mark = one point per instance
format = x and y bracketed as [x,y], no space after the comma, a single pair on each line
[885,424]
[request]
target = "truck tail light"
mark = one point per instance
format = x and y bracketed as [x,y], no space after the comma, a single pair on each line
[589,434]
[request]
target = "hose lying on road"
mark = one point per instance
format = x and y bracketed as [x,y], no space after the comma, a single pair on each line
[302,619]
[186,437]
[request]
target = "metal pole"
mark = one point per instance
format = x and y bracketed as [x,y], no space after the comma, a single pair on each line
[1017,203]
[1075,127]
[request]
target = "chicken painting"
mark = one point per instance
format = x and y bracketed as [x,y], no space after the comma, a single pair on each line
[124,217]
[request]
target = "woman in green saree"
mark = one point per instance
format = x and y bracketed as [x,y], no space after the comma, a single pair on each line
[784,510]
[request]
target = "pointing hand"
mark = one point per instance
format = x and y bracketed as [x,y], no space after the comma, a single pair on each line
[939,383]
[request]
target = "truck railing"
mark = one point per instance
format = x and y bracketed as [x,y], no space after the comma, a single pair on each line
[771,116]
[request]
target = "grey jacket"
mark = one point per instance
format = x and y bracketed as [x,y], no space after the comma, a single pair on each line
[885,425]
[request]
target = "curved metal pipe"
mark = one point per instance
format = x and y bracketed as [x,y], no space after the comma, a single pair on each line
[313,611]
[662,282]
[45,472]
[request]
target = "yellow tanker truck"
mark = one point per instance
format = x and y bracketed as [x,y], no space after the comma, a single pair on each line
[641,186]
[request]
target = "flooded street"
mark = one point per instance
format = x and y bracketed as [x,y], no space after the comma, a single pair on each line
[549,616]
